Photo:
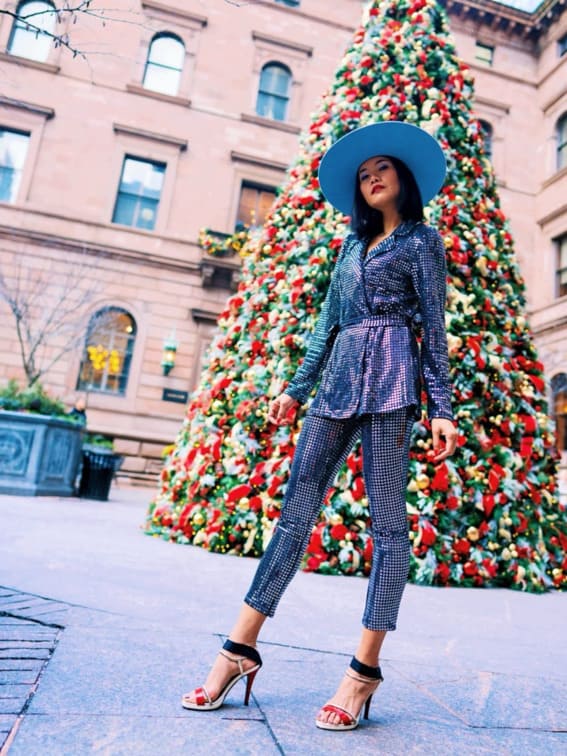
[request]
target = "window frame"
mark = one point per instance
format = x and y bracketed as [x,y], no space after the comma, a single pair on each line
[19,24]
[273,96]
[148,161]
[21,116]
[560,243]
[561,142]
[20,132]
[479,48]
[128,358]
[149,62]
[488,136]
[558,385]
[185,25]
[259,187]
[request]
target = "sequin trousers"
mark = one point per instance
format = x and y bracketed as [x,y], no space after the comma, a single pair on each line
[322,448]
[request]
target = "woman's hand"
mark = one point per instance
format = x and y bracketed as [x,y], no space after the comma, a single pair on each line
[440,426]
[280,408]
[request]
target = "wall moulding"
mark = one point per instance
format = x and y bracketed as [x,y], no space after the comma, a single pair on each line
[263,162]
[167,11]
[120,128]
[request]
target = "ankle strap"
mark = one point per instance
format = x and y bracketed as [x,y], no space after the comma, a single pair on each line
[243,650]
[363,669]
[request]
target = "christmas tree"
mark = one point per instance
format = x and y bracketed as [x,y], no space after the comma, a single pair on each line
[487,516]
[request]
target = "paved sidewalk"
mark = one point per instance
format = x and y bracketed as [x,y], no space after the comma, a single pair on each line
[103,628]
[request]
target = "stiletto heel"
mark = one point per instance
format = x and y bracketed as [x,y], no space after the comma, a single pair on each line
[349,721]
[203,701]
[367,706]
[249,682]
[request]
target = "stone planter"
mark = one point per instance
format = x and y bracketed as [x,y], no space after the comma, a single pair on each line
[39,454]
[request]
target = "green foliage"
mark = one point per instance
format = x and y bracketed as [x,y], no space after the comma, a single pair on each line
[98,440]
[33,398]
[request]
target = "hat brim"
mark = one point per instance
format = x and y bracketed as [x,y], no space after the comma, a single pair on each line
[420,152]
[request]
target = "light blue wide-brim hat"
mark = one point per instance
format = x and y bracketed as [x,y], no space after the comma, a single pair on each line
[422,154]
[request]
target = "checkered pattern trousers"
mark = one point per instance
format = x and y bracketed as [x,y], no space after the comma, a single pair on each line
[322,448]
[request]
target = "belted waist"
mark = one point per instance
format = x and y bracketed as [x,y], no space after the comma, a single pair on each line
[373,321]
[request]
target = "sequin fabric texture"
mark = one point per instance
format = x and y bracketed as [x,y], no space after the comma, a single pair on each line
[364,342]
[385,447]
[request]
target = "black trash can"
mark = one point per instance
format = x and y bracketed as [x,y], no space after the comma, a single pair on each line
[99,467]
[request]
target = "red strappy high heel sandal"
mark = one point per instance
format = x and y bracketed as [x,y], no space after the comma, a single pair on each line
[349,721]
[203,701]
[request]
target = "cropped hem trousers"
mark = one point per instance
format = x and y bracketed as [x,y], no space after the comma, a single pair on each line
[323,446]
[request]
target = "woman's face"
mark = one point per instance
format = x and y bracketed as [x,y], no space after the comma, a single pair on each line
[379,183]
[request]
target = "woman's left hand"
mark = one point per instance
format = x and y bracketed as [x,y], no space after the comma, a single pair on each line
[440,426]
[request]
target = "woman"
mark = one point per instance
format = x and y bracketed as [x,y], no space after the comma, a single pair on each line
[389,278]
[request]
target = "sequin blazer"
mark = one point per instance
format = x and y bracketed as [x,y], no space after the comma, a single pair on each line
[365,344]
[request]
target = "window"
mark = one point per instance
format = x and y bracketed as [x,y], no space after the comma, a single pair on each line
[255,203]
[273,92]
[139,193]
[562,265]
[559,393]
[562,142]
[562,45]
[108,351]
[484,53]
[13,148]
[487,133]
[164,65]
[32,40]
[293,3]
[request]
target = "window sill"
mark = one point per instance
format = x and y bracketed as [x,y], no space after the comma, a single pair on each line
[38,65]
[270,123]
[173,99]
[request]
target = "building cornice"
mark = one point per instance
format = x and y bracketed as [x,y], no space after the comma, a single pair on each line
[120,128]
[279,42]
[169,10]
[69,244]
[264,162]
[204,316]
[297,11]
[270,123]
[558,211]
[500,17]
[29,107]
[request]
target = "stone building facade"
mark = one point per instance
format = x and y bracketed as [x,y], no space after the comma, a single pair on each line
[185,114]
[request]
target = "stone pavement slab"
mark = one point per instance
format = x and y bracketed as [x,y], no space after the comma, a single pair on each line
[138,621]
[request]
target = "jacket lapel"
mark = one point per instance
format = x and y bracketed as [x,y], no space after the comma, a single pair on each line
[389,242]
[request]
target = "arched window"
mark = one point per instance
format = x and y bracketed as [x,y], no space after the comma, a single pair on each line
[164,65]
[487,132]
[108,351]
[30,36]
[562,142]
[559,393]
[273,92]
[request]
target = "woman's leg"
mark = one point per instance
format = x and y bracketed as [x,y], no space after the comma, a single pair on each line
[385,443]
[322,448]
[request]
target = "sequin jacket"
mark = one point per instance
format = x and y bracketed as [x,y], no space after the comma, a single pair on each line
[364,343]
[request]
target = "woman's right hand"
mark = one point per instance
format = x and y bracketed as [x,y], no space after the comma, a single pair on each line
[280,408]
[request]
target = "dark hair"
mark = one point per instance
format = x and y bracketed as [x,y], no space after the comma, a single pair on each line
[367,222]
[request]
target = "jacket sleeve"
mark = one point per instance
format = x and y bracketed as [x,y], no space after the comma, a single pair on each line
[429,276]
[307,374]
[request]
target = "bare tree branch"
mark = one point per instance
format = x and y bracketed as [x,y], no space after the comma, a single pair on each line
[50,312]
[84,8]
[59,40]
